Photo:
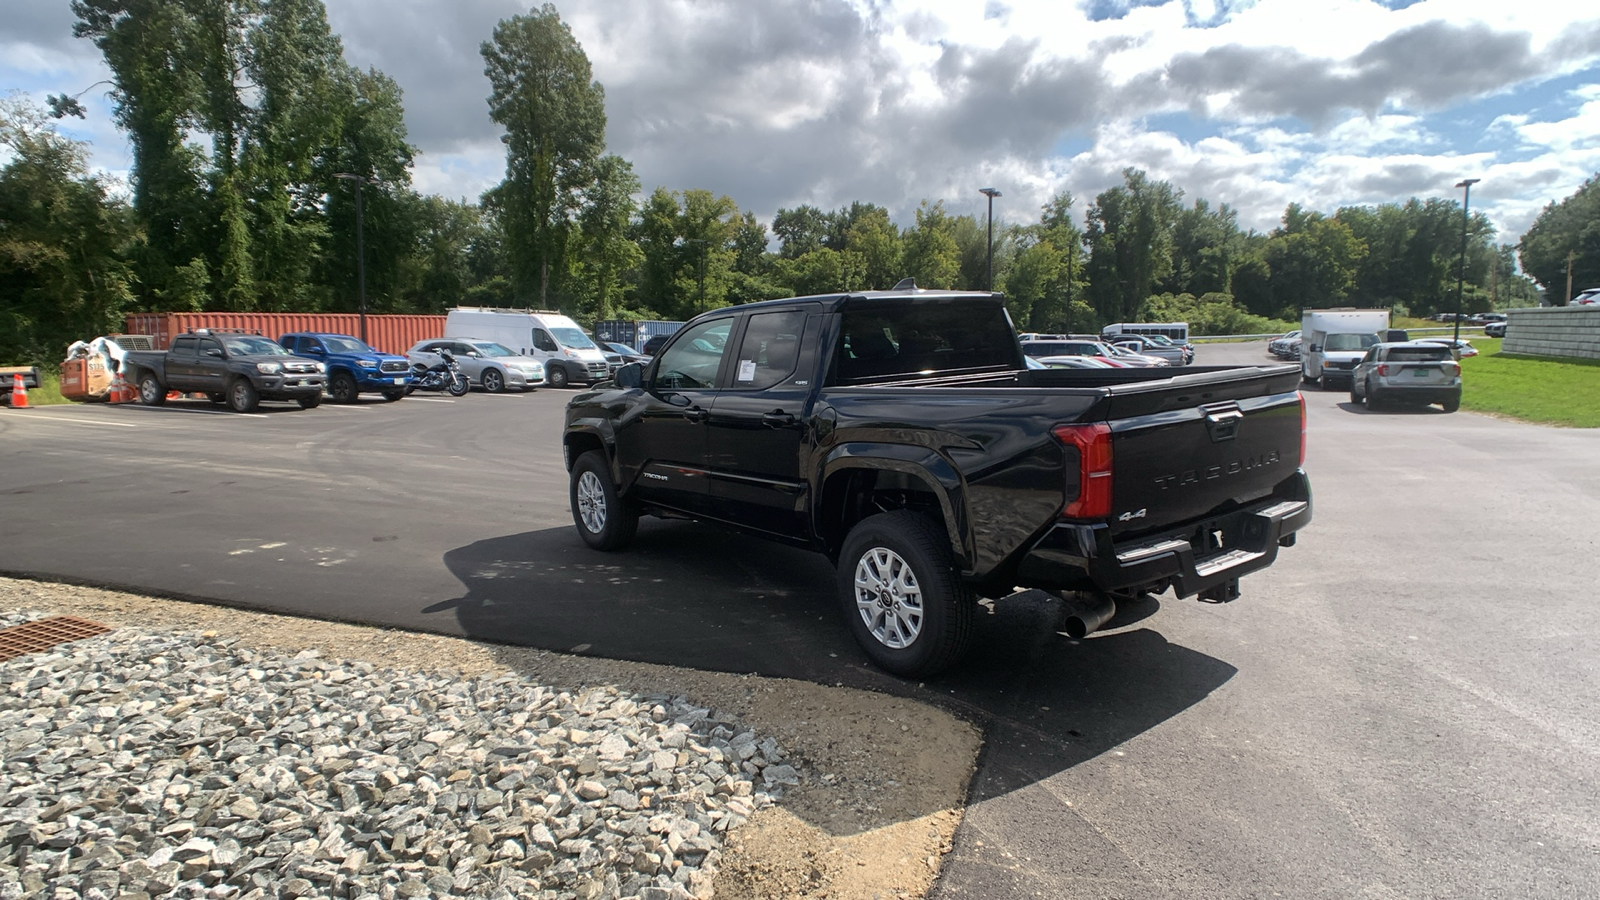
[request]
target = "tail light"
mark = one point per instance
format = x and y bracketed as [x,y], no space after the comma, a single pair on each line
[1093,443]
[1452,369]
[1383,371]
[1302,427]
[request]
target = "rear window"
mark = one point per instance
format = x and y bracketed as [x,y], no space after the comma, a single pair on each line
[1419,354]
[890,338]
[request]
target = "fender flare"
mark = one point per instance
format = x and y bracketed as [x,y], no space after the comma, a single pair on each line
[942,478]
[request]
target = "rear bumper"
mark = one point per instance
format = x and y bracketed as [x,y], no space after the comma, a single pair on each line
[1190,557]
[1417,394]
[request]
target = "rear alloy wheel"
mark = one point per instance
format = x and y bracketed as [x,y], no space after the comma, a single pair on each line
[493,381]
[902,598]
[343,388]
[605,521]
[242,396]
[1371,396]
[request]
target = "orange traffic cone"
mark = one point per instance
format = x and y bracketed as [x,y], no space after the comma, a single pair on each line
[19,392]
[121,391]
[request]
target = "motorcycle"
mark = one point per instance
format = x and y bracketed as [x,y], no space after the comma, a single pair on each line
[445,375]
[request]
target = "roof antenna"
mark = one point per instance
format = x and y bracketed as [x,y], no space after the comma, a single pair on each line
[906,284]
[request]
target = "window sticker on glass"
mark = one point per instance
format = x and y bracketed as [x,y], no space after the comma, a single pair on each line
[747,370]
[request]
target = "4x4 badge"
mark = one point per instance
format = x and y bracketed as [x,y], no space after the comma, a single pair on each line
[1130,516]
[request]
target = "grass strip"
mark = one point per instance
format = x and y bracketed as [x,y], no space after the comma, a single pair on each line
[1532,388]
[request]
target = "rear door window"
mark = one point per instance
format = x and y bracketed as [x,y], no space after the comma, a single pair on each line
[890,338]
[185,345]
[769,351]
[1419,354]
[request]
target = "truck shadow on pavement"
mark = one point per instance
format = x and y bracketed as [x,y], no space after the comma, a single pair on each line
[695,596]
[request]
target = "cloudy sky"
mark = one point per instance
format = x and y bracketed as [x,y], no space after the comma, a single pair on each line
[1255,103]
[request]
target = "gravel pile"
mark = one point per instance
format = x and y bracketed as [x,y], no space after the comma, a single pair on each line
[187,765]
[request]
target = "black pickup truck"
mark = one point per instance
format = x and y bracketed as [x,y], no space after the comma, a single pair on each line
[229,366]
[903,434]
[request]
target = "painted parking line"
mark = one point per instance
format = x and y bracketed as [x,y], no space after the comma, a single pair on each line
[64,420]
[427,400]
[191,411]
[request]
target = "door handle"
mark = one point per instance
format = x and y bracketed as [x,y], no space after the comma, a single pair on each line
[777,419]
[695,414]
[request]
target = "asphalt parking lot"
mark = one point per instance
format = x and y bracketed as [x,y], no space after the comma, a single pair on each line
[1405,705]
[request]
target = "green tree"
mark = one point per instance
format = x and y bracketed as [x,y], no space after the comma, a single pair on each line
[1205,250]
[65,244]
[1130,239]
[1566,230]
[876,241]
[1314,260]
[931,255]
[553,111]
[800,230]
[606,254]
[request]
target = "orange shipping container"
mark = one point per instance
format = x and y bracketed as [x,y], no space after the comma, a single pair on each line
[390,334]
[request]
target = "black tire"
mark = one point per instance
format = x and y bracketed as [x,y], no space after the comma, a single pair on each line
[1354,397]
[242,396]
[151,393]
[1373,400]
[217,398]
[310,402]
[343,388]
[904,540]
[459,385]
[392,396]
[493,381]
[604,520]
[1451,405]
[557,376]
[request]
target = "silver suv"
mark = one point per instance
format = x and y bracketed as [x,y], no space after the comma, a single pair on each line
[1411,372]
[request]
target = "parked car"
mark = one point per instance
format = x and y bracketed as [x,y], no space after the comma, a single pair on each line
[1146,345]
[618,355]
[653,345]
[1591,297]
[1280,346]
[353,367]
[1071,362]
[1463,349]
[1042,348]
[1421,372]
[1495,329]
[228,366]
[1136,360]
[486,363]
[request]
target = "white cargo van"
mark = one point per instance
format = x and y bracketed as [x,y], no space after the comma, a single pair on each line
[568,355]
[1332,342]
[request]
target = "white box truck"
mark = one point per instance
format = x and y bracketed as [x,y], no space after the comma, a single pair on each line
[568,355]
[1332,342]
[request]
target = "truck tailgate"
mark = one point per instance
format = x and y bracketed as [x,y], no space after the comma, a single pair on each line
[1199,444]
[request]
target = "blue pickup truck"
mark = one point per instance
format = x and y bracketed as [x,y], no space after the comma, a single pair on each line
[353,367]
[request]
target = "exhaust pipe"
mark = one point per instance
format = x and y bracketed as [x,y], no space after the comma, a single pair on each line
[1087,612]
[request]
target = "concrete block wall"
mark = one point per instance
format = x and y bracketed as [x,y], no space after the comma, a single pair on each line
[1554,331]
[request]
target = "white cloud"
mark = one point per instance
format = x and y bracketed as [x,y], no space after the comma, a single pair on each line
[830,101]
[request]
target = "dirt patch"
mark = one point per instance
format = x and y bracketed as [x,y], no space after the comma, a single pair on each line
[885,778]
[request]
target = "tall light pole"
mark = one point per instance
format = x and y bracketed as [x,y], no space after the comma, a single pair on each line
[988,267]
[700,307]
[361,256]
[1461,276]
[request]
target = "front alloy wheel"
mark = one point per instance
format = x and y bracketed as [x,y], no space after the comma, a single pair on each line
[605,521]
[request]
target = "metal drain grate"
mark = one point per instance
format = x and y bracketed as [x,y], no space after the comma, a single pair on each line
[42,634]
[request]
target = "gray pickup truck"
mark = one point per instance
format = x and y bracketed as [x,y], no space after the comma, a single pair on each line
[228,366]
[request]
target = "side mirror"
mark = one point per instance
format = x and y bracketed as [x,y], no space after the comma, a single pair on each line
[630,376]
[214,352]
[1316,348]
[316,351]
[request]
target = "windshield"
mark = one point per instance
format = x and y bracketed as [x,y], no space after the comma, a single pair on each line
[488,348]
[253,346]
[345,345]
[573,338]
[1349,341]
